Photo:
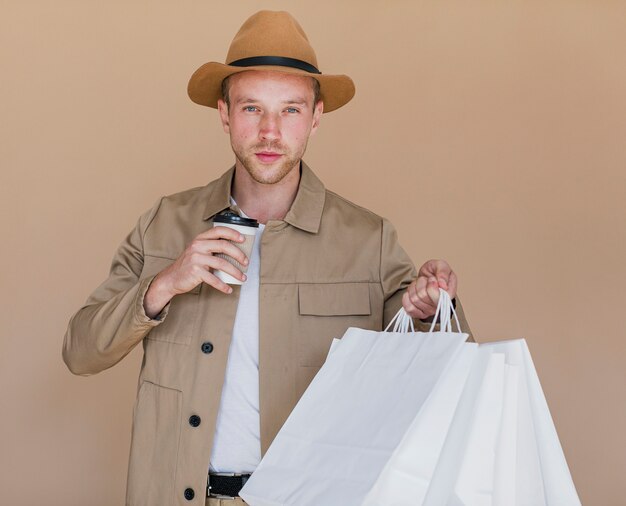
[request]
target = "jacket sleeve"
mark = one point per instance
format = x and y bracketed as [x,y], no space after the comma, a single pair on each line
[113,319]
[396,273]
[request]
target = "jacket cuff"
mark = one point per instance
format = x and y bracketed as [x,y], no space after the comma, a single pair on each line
[140,313]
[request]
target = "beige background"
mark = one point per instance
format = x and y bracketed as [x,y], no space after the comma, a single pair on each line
[491,134]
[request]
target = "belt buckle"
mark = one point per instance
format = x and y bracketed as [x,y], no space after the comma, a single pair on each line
[219,496]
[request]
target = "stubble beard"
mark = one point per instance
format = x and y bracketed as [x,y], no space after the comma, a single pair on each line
[265,173]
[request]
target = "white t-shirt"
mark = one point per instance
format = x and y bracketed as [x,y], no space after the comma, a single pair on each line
[237,441]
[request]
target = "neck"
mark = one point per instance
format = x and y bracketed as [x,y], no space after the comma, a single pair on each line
[265,202]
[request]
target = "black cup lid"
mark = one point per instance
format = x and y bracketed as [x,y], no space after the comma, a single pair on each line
[234,219]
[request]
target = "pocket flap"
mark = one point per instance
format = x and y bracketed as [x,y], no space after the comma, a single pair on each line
[328,299]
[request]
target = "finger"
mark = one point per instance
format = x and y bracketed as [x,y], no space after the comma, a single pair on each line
[408,297]
[428,291]
[221,264]
[412,310]
[442,273]
[207,247]
[222,233]
[420,285]
[426,310]
[203,261]
[424,305]
[452,286]
[412,289]
[443,281]
[440,269]
[225,247]
[432,290]
[428,269]
[212,280]
[421,311]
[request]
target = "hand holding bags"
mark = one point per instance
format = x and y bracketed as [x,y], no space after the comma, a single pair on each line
[410,418]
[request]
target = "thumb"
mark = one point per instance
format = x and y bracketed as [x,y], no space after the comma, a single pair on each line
[442,281]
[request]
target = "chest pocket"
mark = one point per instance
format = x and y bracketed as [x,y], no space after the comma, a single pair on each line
[327,310]
[179,325]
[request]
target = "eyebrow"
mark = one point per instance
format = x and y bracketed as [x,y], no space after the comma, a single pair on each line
[297,101]
[294,101]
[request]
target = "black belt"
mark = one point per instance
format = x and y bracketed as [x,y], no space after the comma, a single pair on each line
[226,484]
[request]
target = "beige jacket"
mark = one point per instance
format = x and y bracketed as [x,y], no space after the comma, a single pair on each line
[327,266]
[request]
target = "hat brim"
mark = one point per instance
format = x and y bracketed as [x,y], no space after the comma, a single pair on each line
[205,85]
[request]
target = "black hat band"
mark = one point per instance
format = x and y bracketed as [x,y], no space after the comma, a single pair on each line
[279,61]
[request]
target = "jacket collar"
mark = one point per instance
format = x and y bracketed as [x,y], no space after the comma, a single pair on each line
[219,197]
[305,212]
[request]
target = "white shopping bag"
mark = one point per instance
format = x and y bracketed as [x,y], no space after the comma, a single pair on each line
[504,486]
[524,465]
[483,425]
[335,443]
[408,473]
[398,419]
[465,470]
[542,474]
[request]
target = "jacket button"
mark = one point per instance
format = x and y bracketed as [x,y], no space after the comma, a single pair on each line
[189,494]
[194,420]
[207,347]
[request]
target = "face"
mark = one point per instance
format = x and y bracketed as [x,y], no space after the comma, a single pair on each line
[270,119]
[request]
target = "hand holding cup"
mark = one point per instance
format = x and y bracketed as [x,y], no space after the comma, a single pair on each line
[195,265]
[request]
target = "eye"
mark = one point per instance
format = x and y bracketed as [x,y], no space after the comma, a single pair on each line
[250,108]
[292,110]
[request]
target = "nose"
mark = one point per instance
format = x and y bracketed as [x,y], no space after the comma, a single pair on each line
[269,127]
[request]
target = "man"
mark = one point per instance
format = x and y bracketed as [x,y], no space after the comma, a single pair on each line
[224,365]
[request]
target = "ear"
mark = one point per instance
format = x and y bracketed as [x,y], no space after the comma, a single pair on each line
[223,110]
[317,116]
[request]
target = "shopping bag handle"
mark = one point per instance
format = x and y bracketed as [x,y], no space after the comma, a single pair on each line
[402,322]
[445,311]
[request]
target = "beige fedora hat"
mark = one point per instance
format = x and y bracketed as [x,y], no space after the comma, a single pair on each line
[269,40]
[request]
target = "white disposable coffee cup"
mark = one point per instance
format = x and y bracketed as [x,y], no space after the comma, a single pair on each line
[247,227]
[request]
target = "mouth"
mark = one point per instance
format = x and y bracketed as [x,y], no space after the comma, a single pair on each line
[268,156]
